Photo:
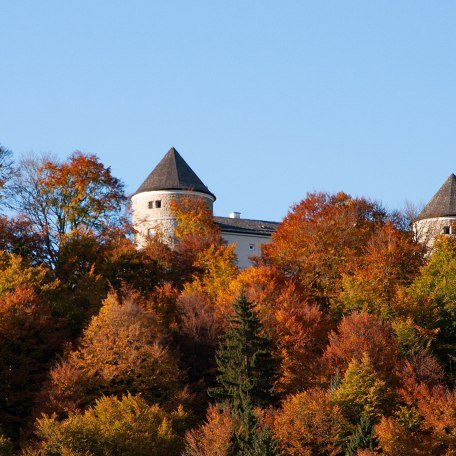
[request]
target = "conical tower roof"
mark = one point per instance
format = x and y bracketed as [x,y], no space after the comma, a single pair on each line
[173,173]
[443,203]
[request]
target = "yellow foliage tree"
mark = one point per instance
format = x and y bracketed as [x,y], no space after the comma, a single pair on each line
[16,272]
[126,426]
[361,391]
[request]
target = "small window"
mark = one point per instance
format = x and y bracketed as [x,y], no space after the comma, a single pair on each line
[158,204]
[251,246]
[446,230]
[151,204]
[150,232]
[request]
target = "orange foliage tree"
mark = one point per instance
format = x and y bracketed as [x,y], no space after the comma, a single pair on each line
[195,230]
[213,437]
[264,285]
[298,328]
[310,423]
[437,406]
[121,350]
[197,317]
[59,198]
[391,260]
[215,270]
[201,312]
[401,437]
[359,334]
[427,427]
[321,237]
[301,331]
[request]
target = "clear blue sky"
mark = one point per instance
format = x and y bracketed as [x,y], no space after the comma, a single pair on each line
[266,100]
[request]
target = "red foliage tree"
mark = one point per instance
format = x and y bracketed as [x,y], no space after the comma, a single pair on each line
[360,334]
[320,238]
[301,332]
[29,339]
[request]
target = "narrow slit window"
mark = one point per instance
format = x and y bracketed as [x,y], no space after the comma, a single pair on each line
[158,204]
[251,246]
[150,204]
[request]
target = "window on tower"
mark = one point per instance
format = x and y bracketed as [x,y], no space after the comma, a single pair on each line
[446,230]
[154,204]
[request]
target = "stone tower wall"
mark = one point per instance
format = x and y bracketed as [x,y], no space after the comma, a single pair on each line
[148,221]
[426,230]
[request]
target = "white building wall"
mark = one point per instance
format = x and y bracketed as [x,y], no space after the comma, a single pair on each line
[246,246]
[426,230]
[148,220]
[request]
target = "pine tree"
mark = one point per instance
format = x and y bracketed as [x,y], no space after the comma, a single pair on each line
[247,374]
[247,368]
[362,437]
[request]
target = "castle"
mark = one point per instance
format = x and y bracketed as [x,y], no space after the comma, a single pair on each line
[173,178]
[439,215]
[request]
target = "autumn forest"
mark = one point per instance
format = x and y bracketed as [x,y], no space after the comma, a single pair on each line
[339,340]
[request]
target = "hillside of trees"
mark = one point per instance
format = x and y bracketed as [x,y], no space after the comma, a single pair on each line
[339,340]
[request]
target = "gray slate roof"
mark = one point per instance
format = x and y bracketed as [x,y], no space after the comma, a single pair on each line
[443,203]
[173,173]
[246,226]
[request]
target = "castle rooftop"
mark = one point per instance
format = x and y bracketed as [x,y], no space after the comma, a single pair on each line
[246,226]
[443,203]
[173,173]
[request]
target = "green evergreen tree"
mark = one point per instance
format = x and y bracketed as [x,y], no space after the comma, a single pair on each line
[263,444]
[252,439]
[247,368]
[247,375]
[362,437]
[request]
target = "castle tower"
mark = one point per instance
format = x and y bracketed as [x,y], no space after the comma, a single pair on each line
[439,215]
[171,179]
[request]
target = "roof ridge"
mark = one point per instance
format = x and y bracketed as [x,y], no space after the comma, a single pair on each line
[246,219]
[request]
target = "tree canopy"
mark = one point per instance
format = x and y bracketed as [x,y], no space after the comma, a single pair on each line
[339,340]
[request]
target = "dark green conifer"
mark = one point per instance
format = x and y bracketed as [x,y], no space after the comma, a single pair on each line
[363,436]
[247,369]
[247,375]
